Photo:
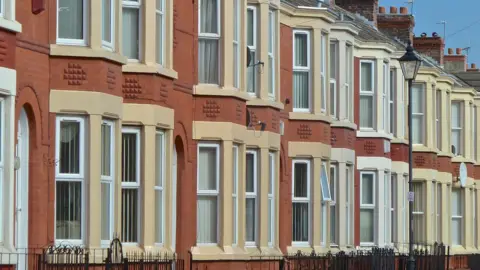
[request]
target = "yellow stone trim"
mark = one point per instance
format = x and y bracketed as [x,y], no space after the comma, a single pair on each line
[309,117]
[265,103]
[10,25]
[86,102]
[148,115]
[149,68]
[83,51]
[215,90]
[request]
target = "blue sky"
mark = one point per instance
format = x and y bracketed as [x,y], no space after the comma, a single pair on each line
[459,14]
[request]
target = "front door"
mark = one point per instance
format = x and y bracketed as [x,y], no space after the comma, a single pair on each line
[21,187]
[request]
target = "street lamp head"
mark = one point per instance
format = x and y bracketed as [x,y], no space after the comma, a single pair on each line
[410,63]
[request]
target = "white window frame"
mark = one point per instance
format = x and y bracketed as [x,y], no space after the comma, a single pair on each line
[420,114]
[474,217]
[393,205]
[438,211]
[235,153]
[3,219]
[385,96]
[160,41]
[348,206]
[271,198]
[215,36]
[236,43]
[326,197]
[85,21]
[334,79]
[323,71]
[387,233]
[392,127]
[306,200]
[306,69]
[136,5]
[370,94]
[460,216]
[109,45]
[211,193]
[422,212]
[253,49]
[137,184]
[80,177]
[438,123]
[459,149]
[473,127]
[349,83]
[160,188]
[333,205]
[371,206]
[272,15]
[110,180]
[253,195]
[2,13]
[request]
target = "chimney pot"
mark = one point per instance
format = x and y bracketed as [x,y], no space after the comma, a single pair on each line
[403,10]
[450,51]
[474,66]
[393,10]
[381,10]
[459,51]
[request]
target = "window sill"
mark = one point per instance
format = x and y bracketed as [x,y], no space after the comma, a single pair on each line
[265,103]
[344,124]
[132,67]
[422,148]
[462,159]
[82,51]
[458,250]
[10,25]
[373,134]
[216,90]
[295,248]
[309,117]
[399,140]
[214,252]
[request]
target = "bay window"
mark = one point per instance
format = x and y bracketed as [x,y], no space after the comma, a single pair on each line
[347,104]
[333,78]
[208,186]
[418,113]
[70,180]
[71,22]
[131,156]
[235,195]
[271,199]
[160,30]
[237,8]
[252,45]
[108,23]
[438,115]
[367,208]
[131,41]
[301,202]
[385,98]
[323,72]
[272,43]
[208,41]
[419,213]
[367,94]
[159,187]
[326,197]
[333,205]
[392,128]
[107,180]
[301,71]
[251,202]
[457,125]
[457,217]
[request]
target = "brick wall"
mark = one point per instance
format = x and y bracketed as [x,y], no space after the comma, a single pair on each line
[395,24]
[366,8]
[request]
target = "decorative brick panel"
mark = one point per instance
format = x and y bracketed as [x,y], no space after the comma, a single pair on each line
[163,92]
[239,112]
[3,48]
[74,74]
[131,88]
[370,147]
[211,109]
[111,79]
[304,131]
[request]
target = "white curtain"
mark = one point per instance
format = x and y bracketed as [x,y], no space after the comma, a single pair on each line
[105,210]
[300,90]
[107,20]
[417,113]
[456,126]
[208,48]
[207,203]
[130,34]
[366,225]
[70,19]
[456,217]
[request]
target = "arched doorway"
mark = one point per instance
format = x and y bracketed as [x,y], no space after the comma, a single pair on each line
[21,186]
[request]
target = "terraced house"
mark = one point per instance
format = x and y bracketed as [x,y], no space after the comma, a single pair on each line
[229,130]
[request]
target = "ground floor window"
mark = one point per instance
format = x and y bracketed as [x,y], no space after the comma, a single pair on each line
[419,213]
[367,207]
[301,203]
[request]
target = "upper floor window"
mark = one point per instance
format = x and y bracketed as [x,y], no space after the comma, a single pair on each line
[71,22]
[457,217]
[385,98]
[323,72]
[349,83]
[251,201]
[438,123]
[301,71]
[70,180]
[367,94]
[301,202]
[252,45]
[236,43]
[334,69]
[208,176]
[208,41]
[392,102]
[474,132]
[108,23]
[418,113]
[367,207]
[457,127]
[272,43]
[160,33]
[131,29]
[107,180]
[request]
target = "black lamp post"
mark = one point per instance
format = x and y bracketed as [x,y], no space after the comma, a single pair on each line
[410,64]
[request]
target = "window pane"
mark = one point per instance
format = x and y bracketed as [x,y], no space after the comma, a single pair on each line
[207,168]
[325,184]
[456,231]
[105,211]
[129,160]
[252,73]
[130,215]
[68,210]
[301,50]
[366,225]
[456,115]
[159,157]
[301,90]
[250,27]
[367,189]
[456,202]
[207,219]
[366,77]
[300,226]
[69,147]
[70,19]
[131,35]
[208,16]
[208,61]
[333,98]
[106,149]
[250,219]
[366,111]
[300,188]
[107,20]
[417,98]
[250,173]
[333,60]
[159,216]
[159,37]
[456,140]
[270,220]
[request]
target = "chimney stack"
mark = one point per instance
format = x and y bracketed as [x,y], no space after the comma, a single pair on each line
[396,24]
[473,68]
[456,62]
[433,46]
[366,8]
